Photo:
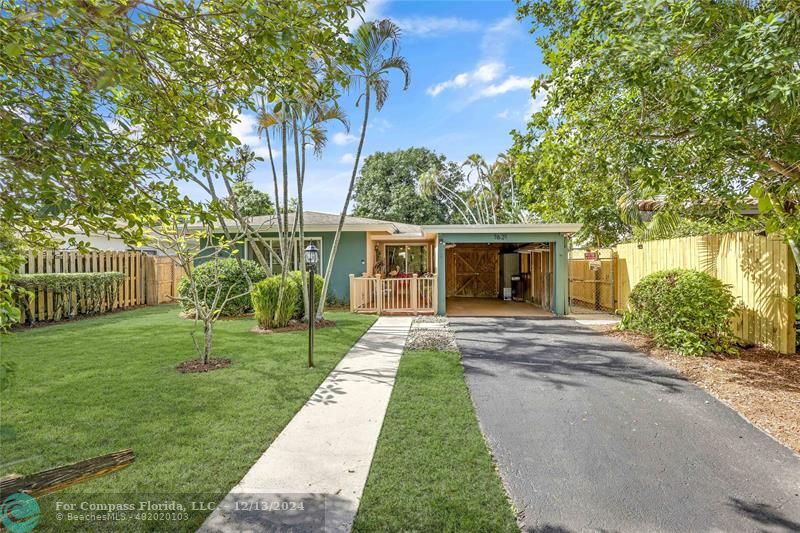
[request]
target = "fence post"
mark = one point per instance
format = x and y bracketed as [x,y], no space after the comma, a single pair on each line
[379,294]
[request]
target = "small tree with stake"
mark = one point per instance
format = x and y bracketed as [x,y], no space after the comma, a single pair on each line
[188,243]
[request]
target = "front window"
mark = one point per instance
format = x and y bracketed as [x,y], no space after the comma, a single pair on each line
[406,259]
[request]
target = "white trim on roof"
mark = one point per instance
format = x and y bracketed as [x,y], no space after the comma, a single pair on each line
[503,228]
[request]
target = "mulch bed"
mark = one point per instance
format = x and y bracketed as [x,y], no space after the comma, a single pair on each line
[197,365]
[296,325]
[760,384]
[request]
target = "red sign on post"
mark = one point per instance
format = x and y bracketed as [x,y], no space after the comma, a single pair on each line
[590,256]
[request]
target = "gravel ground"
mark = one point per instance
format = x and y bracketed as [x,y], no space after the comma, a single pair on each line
[431,333]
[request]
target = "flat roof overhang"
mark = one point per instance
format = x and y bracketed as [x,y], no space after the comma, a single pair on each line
[502,228]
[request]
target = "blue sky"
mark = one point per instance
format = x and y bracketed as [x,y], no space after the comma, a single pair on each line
[472,64]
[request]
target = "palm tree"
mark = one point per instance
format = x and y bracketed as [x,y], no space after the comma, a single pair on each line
[431,184]
[375,45]
[310,130]
[660,224]
[302,123]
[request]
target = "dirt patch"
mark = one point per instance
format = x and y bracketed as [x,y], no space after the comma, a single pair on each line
[762,385]
[296,325]
[197,365]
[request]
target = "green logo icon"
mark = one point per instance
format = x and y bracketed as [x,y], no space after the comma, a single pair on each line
[19,513]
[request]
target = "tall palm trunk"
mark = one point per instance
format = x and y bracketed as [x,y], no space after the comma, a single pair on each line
[275,186]
[300,152]
[343,215]
[284,239]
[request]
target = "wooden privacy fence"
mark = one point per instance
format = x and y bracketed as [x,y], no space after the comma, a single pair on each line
[142,272]
[162,276]
[392,295]
[759,269]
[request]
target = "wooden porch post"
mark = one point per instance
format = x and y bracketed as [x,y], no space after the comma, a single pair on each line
[352,293]
[414,294]
[379,294]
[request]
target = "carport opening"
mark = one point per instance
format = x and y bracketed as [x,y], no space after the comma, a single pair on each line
[499,279]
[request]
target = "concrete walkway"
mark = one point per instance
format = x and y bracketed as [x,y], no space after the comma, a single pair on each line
[590,435]
[312,476]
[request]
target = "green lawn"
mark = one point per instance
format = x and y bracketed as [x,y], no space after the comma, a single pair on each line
[432,470]
[98,385]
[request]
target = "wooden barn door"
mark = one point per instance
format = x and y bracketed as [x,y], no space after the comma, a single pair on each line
[473,272]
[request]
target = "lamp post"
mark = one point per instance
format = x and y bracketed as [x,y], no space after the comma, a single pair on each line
[311,255]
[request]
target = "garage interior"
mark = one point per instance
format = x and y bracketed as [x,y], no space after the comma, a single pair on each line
[499,279]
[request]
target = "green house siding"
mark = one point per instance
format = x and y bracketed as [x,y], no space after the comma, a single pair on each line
[350,258]
[560,299]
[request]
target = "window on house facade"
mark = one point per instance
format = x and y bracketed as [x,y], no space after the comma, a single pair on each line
[406,259]
[296,259]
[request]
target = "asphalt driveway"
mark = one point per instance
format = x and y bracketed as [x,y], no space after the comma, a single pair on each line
[591,435]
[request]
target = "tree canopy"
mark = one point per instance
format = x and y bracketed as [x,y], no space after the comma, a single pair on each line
[107,104]
[389,187]
[692,101]
[251,201]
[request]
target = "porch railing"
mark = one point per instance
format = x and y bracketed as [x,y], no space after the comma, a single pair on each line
[393,295]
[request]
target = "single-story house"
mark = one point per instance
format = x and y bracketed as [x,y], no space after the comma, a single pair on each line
[390,267]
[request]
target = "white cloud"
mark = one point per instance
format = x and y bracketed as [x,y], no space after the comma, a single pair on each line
[511,83]
[433,26]
[483,73]
[497,37]
[116,126]
[379,125]
[482,80]
[245,128]
[503,114]
[341,138]
[537,104]
[373,10]
[347,158]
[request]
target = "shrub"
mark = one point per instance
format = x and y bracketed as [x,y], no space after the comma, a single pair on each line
[686,310]
[73,293]
[296,277]
[230,275]
[265,302]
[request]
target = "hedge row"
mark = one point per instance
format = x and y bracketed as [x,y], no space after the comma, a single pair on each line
[74,294]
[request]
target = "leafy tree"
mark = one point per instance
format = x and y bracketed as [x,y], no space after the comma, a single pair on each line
[563,184]
[251,201]
[493,197]
[107,104]
[389,187]
[207,291]
[96,119]
[375,46]
[691,100]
